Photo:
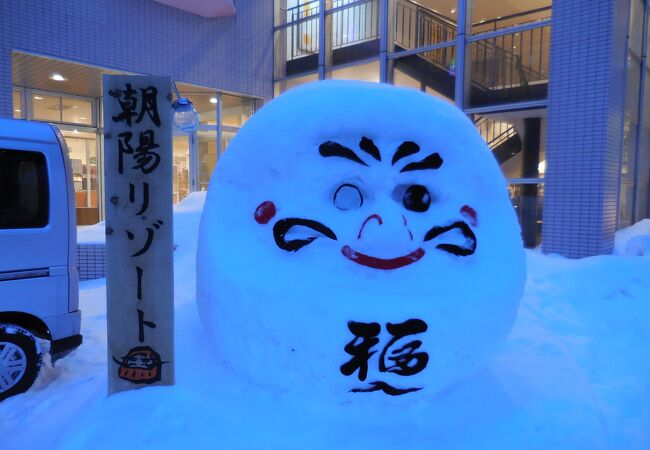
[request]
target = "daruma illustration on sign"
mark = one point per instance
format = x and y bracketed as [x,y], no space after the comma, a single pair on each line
[358,240]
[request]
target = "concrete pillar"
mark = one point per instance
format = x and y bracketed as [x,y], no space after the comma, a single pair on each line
[586,103]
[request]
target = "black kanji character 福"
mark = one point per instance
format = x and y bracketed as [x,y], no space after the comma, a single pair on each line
[405,360]
[367,334]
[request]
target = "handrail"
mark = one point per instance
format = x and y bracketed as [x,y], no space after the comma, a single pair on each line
[511,16]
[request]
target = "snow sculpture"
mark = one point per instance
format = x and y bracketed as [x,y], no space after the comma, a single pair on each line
[358,240]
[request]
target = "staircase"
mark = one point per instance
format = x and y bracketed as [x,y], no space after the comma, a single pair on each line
[509,68]
[505,68]
[501,138]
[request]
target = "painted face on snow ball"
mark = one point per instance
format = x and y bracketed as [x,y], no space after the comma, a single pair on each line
[455,236]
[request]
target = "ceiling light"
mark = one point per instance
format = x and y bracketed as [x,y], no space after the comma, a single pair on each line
[213,100]
[57,77]
[17,110]
[36,97]
[83,118]
[453,11]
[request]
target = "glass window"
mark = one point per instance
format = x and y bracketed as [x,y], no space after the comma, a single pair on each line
[423,23]
[46,107]
[626,204]
[235,111]
[181,167]
[490,15]
[434,69]
[24,194]
[205,104]
[509,68]
[77,111]
[18,104]
[401,78]
[285,85]
[296,47]
[354,30]
[636,26]
[517,157]
[82,150]
[528,201]
[363,72]
[207,157]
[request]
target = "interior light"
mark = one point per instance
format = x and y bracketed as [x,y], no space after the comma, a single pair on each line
[213,100]
[83,118]
[541,167]
[57,77]
[36,97]
[453,11]
[17,110]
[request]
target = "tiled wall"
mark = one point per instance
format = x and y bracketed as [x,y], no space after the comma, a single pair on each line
[585,125]
[142,36]
[91,260]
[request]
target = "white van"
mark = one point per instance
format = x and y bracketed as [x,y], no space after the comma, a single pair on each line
[39,284]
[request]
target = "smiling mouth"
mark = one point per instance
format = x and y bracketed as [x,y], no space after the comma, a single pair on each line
[381,263]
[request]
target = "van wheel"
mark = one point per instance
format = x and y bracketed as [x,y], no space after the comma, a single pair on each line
[20,360]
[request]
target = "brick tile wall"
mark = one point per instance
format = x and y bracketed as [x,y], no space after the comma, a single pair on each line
[143,36]
[585,123]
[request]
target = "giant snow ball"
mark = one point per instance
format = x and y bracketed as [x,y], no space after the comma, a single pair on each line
[358,241]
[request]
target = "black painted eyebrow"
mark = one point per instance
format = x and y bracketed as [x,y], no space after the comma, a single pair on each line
[329,148]
[433,161]
[405,149]
[370,148]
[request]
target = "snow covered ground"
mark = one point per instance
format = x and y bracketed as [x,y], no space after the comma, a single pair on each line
[575,374]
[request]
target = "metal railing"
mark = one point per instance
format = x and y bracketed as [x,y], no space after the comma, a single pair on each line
[505,61]
[501,62]
[510,60]
[521,18]
[302,33]
[352,22]
[494,132]
[417,26]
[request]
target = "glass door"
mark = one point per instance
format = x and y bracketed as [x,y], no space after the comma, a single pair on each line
[82,148]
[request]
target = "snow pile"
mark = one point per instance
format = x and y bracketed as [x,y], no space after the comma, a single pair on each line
[91,234]
[573,375]
[634,240]
[371,248]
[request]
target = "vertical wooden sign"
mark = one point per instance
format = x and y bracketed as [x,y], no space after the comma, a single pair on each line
[139,231]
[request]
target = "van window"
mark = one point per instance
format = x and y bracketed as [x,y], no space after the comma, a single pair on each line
[24,196]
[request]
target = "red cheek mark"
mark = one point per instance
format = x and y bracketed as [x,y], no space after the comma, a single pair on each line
[265,212]
[470,213]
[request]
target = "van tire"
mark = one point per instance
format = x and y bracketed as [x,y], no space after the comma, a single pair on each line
[18,345]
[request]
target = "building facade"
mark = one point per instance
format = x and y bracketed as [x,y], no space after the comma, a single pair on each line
[557,88]
[53,55]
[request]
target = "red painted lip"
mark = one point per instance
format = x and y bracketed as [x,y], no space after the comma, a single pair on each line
[380,263]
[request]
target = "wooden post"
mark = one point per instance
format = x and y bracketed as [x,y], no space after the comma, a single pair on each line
[139,231]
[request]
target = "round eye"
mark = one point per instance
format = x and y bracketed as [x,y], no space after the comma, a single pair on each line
[348,196]
[416,198]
